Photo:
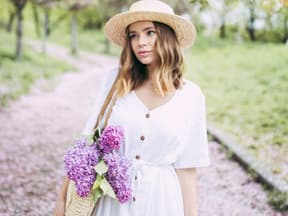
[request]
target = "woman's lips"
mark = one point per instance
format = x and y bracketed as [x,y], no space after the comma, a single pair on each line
[144,53]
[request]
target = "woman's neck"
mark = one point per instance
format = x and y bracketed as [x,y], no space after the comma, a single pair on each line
[151,71]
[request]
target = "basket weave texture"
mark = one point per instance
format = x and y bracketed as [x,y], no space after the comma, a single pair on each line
[76,205]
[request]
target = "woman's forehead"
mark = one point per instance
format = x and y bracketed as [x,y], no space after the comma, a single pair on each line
[140,26]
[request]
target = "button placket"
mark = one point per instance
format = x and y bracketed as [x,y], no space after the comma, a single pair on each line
[137,160]
[140,142]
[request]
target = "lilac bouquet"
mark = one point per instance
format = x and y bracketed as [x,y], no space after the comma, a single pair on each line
[97,167]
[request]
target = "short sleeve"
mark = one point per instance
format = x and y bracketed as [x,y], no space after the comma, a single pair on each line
[102,92]
[195,149]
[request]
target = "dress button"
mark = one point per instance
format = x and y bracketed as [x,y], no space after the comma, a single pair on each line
[134,199]
[142,138]
[137,157]
[147,115]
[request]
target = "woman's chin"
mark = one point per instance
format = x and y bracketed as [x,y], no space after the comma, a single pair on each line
[145,61]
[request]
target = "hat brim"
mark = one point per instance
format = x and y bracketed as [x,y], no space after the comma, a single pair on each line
[115,27]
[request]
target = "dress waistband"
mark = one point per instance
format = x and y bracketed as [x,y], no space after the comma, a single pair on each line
[140,162]
[137,171]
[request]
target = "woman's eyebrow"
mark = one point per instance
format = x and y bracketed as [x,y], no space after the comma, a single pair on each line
[148,28]
[145,29]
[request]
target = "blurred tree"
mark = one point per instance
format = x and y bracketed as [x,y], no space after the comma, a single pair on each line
[10,20]
[74,6]
[223,13]
[36,17]
[284,10]
[251,21]
[199,5]
[89,18]
[196,8]
[279,7]
[180,7]
[271,7]
[19,6]
[203,3]
[223,7]
[46,5]
[107,8]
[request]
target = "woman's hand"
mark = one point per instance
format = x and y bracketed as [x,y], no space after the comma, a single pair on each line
[60,208]
[61,200]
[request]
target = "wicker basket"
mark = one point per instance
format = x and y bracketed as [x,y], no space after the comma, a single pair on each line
[76,205]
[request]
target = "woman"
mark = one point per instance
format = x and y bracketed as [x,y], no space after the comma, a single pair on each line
[162,114]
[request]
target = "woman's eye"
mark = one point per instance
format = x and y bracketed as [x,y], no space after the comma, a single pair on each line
[150,33]
[131,36]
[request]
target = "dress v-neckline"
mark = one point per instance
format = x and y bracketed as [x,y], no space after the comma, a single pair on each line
[157,107]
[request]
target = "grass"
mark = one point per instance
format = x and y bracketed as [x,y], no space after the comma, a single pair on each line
[17,77]
[246,89]
[92,41]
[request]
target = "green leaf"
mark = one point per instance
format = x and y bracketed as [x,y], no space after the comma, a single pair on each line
[97,193]
[101,168]
[96,134]
[98,182]
[107,189]
[90,140]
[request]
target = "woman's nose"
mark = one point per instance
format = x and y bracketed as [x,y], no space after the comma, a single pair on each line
[142,40]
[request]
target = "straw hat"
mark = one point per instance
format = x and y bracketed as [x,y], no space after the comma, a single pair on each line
[150,10]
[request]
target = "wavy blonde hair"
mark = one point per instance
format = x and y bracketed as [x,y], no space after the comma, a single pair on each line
[132,73]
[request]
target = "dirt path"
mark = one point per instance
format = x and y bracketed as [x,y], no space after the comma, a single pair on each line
[36,130]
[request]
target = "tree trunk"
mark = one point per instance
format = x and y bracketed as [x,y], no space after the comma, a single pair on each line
[223,27]
[19,33]
[10,22]
[46,30]
[74,44]
[36,19]
[250,28]
[285,38]
[47,22]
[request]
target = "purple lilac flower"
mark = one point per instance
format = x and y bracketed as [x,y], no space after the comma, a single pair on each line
[81,159]
[79,162]
[84,185]
[111,139]
[118,175]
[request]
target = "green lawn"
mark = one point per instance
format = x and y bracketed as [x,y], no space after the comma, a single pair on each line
[16,77]
[92,41]
[246,85]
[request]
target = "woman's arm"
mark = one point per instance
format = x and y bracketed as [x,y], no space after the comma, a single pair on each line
[188,181]
[61,199]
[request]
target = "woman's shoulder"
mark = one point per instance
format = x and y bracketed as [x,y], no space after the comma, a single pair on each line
[191,89]
[108,79]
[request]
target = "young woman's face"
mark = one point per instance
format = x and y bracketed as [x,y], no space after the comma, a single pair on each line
[143,39]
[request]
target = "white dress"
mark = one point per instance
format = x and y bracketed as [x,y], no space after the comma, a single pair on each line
[157,141]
